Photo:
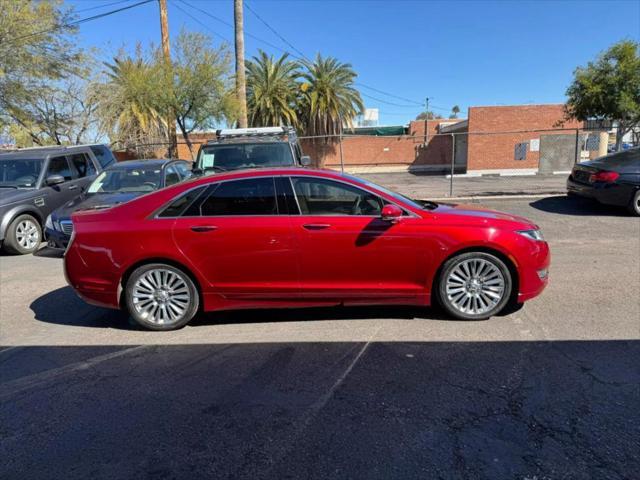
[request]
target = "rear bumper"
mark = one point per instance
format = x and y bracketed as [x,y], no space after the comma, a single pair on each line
[89,285]
[617,194]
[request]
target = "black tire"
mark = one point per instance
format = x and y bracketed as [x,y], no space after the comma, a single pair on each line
[139,298]
[448,301]
[634,204]
[23,235]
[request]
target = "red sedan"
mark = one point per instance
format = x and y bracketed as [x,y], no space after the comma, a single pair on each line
[299,238]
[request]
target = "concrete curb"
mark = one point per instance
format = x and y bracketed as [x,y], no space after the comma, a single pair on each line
[506,196]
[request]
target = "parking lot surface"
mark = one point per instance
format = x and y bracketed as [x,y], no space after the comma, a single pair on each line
[549,391]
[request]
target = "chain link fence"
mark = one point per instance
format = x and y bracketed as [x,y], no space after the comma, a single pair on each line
[441,165]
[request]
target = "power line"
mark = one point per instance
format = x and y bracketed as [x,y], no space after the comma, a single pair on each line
[197,20]
[78,22]
[275,32]
[302,56]
[101,6]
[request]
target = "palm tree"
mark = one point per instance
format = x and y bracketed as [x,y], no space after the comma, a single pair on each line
[329,98]
[455,111]
[128,106]
[272,90]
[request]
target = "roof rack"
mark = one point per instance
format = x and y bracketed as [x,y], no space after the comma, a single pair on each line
[253,132]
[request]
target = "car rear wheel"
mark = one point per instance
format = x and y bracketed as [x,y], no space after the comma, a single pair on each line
[474,286]
[634,204]
[24,235]
[161,297]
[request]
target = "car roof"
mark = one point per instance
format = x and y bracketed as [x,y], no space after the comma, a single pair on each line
[271,171]
[40,152]
[152,162]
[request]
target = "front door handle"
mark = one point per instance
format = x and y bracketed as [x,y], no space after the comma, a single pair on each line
[73,187]
[204,228]
[316,226]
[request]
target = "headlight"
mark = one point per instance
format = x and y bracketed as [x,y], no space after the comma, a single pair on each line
[48,223]
[535,235]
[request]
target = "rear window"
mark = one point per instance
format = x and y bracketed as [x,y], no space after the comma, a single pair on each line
[245,155]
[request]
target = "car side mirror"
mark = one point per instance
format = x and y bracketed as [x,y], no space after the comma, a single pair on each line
[305,160]
[197,171]
[54,180]
[391,213]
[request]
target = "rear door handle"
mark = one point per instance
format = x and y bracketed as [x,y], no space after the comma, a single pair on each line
[204,228]
[316,226]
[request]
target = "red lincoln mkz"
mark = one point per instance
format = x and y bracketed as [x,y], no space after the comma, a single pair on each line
[299,238]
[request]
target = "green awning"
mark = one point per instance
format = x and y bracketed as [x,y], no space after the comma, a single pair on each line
[392,131]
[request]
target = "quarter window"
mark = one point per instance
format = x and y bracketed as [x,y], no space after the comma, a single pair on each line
[182,203]
[318,196]
[254,196]
[103,155]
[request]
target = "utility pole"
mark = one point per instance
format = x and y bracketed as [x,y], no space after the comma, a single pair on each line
[426,123]
[166,50]
[241,88]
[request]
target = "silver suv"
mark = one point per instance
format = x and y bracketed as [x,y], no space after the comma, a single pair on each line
[35,181]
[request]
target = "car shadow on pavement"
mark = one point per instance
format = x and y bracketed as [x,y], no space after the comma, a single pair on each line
[63,307]
[571,205]
[318,410]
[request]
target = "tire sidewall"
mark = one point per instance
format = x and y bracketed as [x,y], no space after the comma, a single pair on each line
[452,263]
[11,244]
[634,208]
[191,311]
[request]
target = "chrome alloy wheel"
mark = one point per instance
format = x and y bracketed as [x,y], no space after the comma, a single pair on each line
[28,234]
[475,286]
[161,296]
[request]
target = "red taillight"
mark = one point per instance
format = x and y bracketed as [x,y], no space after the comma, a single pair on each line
[603,176]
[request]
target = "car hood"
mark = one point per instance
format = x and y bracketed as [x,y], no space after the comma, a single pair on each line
[94,201]
[14,195]
[478,215]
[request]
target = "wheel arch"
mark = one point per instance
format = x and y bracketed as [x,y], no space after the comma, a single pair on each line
[168,261]
[508,261]
[15,212]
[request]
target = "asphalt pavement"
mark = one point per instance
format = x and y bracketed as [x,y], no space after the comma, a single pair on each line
[549,391]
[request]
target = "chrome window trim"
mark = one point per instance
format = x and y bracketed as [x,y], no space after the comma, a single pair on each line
[404,209]
[289,176]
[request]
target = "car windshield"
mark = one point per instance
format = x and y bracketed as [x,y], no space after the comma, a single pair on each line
[420,204]
[20,172]
[123,180]
[245,155]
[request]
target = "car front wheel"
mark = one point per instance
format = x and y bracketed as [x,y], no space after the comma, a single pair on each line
[634,204]
[24,235]
[474,286]
[161,297]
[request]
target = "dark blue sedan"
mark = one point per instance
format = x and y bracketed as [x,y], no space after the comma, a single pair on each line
[612,180]
[117,184]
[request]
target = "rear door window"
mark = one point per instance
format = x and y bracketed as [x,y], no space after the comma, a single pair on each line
[60,166]
[255,196]
[83,164]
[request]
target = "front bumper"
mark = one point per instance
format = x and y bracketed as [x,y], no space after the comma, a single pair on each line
[56,239]
[532,279]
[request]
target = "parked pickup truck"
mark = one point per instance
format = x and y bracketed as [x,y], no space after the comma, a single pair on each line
[240,148]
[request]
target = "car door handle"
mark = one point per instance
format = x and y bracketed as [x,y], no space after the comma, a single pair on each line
[204,228]
[316,226]
[73,187]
